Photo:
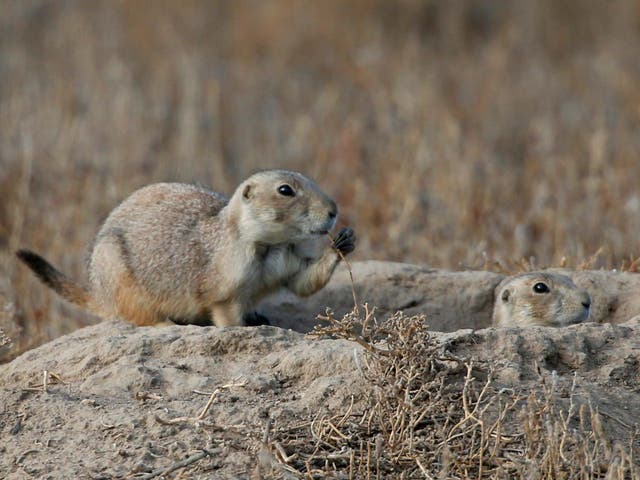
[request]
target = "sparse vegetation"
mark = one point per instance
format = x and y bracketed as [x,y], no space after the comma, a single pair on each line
[431,415]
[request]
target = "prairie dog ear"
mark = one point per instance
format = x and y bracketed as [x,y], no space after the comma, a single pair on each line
[505,295]
[247,191]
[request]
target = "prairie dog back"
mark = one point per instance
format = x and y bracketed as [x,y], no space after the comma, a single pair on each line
[150,251]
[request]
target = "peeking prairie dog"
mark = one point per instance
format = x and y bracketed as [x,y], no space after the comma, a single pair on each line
[539,298]
[180,253]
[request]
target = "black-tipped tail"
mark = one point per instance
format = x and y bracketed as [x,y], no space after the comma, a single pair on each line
[53,278]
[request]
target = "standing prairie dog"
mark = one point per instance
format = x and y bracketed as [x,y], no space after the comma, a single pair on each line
[177,252]
[539,298]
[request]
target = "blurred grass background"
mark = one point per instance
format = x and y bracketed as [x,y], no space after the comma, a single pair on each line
[454,134]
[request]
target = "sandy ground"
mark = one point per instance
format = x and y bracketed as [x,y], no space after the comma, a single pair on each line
[131,400]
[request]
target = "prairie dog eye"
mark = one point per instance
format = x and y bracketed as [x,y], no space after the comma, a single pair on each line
[506,294]
[541,288]
[286,190]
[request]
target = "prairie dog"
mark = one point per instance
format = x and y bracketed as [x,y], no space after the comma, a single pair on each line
[539,298]
[185,254]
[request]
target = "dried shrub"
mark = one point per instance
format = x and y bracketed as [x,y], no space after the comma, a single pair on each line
[429,414]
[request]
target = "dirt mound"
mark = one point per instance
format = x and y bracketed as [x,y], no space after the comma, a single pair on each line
[267,402]
[102,423]
[124,386]
[451,300]
[605,359]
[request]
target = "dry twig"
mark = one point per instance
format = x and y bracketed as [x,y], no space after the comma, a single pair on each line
[206,408]
[47,379]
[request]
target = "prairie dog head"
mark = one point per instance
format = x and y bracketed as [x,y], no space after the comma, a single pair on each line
[539,298]
[280,206]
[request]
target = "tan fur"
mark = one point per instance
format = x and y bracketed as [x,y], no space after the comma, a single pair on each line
[518,304]
[183,253]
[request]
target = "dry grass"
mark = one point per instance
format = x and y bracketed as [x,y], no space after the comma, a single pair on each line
[451,133]
[430,415]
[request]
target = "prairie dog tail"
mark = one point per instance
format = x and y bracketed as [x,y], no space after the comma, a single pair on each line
[56,280]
